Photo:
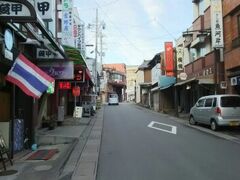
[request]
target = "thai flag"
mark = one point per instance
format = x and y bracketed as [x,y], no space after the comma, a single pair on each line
[27,76]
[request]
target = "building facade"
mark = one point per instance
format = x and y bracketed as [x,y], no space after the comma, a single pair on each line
[131,82]
[231,22]
[113,81]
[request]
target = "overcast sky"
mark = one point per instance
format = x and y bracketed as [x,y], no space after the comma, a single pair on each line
[135,29]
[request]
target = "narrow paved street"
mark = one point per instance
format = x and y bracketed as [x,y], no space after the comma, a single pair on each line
[131,150]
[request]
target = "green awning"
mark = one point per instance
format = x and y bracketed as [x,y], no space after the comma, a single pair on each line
[74,55]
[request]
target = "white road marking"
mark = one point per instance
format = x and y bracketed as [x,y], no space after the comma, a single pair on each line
[172,131]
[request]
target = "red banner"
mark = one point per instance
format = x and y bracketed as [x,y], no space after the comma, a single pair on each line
[169,63]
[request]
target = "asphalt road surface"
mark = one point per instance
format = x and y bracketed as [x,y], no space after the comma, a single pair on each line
[138,144]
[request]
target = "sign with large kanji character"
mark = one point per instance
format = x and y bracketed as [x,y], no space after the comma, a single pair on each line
[217,23]
[17,11]
[44,9]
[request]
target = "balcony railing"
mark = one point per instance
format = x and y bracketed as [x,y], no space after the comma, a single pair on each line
[117,82]
[197,67]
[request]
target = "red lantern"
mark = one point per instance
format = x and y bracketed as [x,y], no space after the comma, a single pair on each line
[76,91]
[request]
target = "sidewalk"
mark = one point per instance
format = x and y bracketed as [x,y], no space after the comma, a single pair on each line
[66,139]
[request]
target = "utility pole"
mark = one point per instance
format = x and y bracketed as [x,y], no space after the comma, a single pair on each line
[101,50]
[96,50]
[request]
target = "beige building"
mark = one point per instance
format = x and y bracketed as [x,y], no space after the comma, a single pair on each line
[131,82]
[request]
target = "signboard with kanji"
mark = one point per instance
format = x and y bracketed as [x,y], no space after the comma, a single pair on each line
[46,54]
[44,9]
[17,11]
[67,23]
[169,64]
[217,23]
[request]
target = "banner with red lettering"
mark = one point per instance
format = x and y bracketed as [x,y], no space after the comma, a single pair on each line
[169,62]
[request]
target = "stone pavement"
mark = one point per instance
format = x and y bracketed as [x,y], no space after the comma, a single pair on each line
[70,140]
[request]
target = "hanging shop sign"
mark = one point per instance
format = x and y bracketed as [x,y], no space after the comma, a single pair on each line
[58,70]
[17,11]
[79,74]
[64,85]
[235,81]
[217,23]
[8,41]
[67,23]
[45,9]
[76,91]
[183,76]
[46,54]
[223,85]
[169,65]
[179,54]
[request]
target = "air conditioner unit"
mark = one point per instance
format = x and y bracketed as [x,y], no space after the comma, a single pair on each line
[223,85]
[233,81]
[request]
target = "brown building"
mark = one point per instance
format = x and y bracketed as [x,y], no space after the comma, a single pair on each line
[114,81]
[231,21]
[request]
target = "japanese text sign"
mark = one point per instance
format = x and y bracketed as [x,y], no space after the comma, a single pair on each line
[169,64]
[217,23]
[45,9]
[13,9]
[17,11]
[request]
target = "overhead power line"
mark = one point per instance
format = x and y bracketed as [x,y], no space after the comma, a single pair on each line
[123,35]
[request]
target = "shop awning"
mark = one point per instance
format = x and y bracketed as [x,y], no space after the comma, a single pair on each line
[155,89]
[185,82]
[145,85]
[74,55]
[166,82]
[206,81]
[200,81]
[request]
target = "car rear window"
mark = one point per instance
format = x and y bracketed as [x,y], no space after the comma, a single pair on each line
[230,101]
[113,96]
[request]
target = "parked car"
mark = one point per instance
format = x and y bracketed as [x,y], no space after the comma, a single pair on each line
[216,110]
[113,99]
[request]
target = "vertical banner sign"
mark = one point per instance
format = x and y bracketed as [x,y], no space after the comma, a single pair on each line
[67,23]
[217,23]
[44,9]
[179,58]
[169,64]
[81,31]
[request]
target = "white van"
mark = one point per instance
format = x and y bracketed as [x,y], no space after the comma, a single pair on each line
[113,99]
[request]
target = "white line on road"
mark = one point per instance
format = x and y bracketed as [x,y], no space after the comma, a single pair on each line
[172,131]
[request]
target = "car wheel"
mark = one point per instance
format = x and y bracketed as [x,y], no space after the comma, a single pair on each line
[214,125]
[192,121]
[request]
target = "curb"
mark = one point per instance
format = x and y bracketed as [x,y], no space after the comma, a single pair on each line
[88,163]
[75,154]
